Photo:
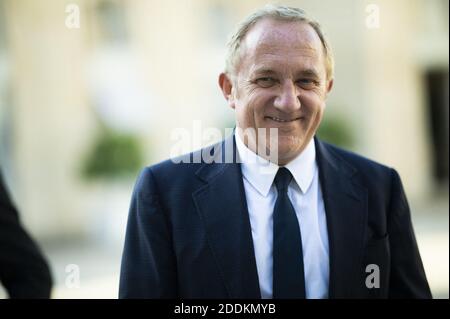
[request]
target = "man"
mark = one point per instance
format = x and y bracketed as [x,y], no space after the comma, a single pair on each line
[313,221]
[23,270]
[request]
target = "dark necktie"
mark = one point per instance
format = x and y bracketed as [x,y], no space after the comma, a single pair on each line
[288,274]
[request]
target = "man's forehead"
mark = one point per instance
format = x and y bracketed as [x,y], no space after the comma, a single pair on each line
[269,33]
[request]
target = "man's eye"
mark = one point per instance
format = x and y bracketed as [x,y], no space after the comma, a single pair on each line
[265,81]
[306,83]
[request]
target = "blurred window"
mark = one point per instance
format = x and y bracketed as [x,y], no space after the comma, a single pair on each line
[219,22]
[112,21]
[5,121]
[438,107]
[2,27]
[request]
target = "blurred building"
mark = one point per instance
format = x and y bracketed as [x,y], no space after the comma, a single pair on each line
[147,67]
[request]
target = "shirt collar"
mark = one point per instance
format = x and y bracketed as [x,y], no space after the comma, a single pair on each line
[260,172]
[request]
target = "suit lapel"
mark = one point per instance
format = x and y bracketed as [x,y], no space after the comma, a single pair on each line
[222,206]
[346,210]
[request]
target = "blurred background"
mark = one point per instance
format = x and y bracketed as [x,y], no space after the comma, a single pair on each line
[91,91]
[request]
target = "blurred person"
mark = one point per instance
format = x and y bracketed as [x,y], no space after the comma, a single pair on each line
[24,272]
[321,222]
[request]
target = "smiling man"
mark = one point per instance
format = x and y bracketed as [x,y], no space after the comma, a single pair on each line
[278,76]
[320,223]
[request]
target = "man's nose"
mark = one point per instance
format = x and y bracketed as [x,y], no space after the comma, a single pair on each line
[287,99]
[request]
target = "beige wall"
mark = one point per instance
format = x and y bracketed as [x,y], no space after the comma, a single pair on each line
[50,114]
[396,131]
[178,54]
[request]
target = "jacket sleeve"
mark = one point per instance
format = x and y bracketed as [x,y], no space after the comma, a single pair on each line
[407,278]
[148,263]
[24,271]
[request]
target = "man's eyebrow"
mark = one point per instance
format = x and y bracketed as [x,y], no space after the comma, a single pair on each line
[264,71]
[309,72]
[312,73]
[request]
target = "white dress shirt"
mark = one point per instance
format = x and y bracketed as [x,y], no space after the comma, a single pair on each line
[305,194]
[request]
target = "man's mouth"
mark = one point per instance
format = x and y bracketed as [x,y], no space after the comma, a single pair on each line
[277,119]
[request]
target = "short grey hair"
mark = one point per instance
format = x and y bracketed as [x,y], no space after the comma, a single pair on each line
[280,13]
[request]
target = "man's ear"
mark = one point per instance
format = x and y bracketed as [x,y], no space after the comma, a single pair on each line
[226,85]
[329,86]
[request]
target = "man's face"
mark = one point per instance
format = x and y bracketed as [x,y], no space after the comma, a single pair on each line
[280,82]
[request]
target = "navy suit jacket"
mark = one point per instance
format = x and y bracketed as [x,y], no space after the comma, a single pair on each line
[24,271]
[189,234]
